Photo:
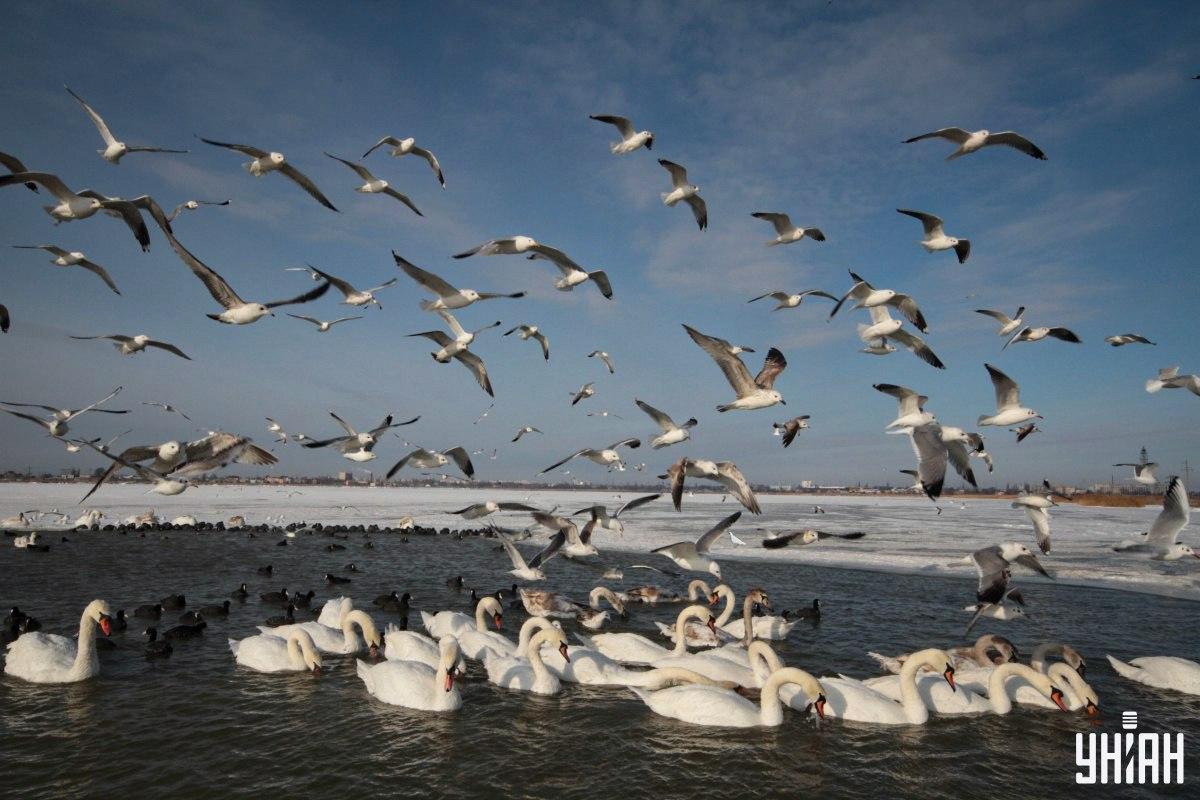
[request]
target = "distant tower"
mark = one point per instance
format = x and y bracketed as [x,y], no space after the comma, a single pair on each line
[1144,458]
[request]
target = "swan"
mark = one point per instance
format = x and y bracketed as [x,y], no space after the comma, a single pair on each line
[334,610]
[452,623]
[264,653]
[699,635]
[633,648]
[981,691]
[591,617]
[708,705]
[332,640]
[401,645]
[528,674]
[773,628]
[415,685]
[475,644]
[1077,693]
[49,658]
[853,700]
[1072,657]
[962,658]
[1161,672]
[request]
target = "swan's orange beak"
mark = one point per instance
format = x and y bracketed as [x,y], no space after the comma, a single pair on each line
[562,651]
[449,680]
[1057,696]
[713,598]
[1091,709]
[106,624]
[949,676]
[498,619]
[820,706]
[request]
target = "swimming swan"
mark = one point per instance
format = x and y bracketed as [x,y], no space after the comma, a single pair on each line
[49,658]
[266,653]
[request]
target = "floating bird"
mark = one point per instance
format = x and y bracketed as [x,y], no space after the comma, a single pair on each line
[968,142]
[693,556]
[671,433]
[354,441]
[1007,324]
[785,230]
[993,565]
[448,297]
[527,332]
[75,258]
[72,206]
[684,191]
[375,185]
[265,162]
[790,428]
[1024,431]
[430,459]
[322,326]
[58,424]
[786,300]
[404,147]
[1009,410]
[1161,540]
[725,473]
[1037,334]
[867,296]
[13,164]
[525,430]
[607,359]
[1127,338]
[192,205]
[752,393]
[631,139]
[128,345]
[1169,378]
[1143,473]
[113,150]
[936,238]
[605,457]
[585,391]
[456,348]
[352,296]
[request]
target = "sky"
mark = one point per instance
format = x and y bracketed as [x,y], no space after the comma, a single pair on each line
[799,108]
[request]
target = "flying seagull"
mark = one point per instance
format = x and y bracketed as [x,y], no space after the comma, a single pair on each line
[1007,324]
[725,473]
[867,296]
[787,300]
[457,349]
[911,407]
[931,457]
[671,433]
[83,204]
[375,185]
[128,345]
[969,142]
[352,296]
[805,537]
[354,441]
[752,393]
[1160,541]
[265,162]
[693,556]
[114,150]
[75,258]
[167,407]
[192,205]
[1025,430]
[58,424]
[525,430]
[785,230]
[684,191]
[322,326]
[605,457]
[13,164]
[1127,338]
[884,327]
[936,238]
[481,510]
[531,570]
[164,484]
[605,357]
[631,138]
[1169,378]
[1028,334]
[584,392]
[527,332]
[993,565]
[1039,515]
[448,297]
[572,273]
[404,147]
[612,522]
[790,428]
[1009,410]
[1143,473]
[431,459]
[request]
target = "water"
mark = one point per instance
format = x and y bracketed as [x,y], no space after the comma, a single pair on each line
[196,725]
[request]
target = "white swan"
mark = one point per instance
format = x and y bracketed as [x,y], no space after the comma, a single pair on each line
[761,662]
[452,623]
[1161,672]
[401,645]
[708,705]
[265,653]
[334,610]
[701,635]
[633,648]
[49,658]
[415,685]
[1077,693]
[474,644]
[981,691]
[853,700]
[527,674]
[331,640]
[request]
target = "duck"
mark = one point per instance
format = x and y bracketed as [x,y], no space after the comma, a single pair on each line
[190,618]
[853,700]
[304,600]
[413,684]
[288,617]
[812,613]
[338,642]
[718,707]
[173,602]
[280,598]
[266,570]
[633,648]
[528,673]
[1161,672]
[267,653]
[216,610]
[447,623]
[186,631]
[120,622]
[393,602]
[49,658]
[240,593]
[455,583]
[331,578]
[155,647]
[151,611]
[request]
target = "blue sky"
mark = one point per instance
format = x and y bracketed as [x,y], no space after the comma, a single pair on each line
[798,109]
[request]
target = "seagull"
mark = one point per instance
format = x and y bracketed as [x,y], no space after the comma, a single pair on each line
[13,164]
[576,544]
[531,570]
[585,391]
[1024,431]
[352,296]
[57,425]
[5,319]
[431,459]
[456,348]
[867,296]
[1169,378]
[237,311]
[1009,410]
[752,393]
[936,238]
[163,484]
[787,232]
[605,457]
[192,205]
[525,430]
[1007,324]
[274,427]
[1039,515]
[993,565]
[404,147]
[323,326]
[631,139]
[684,191]
[128,345]
[113,150]
[786,300]
[375,185]
[480,510]
[448,297]
[573,274]
[607,359]
[693,556]
[671,433]
[775,541]
[355,441]
[1143,473]
[75,258]
[969,142]
[312,273]
[612,522]
[265,162]
[72,206]
[167,407]
[604,414]
[1160,541]
[1037,334]
[527,332]
[932,455]
[790,428]
[725,473]
[884,327]
[1127,338]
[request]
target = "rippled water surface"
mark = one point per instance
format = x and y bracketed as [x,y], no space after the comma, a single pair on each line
[196,725]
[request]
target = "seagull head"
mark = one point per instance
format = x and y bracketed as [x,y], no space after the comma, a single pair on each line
[276,159]
[715,569]
[470,294]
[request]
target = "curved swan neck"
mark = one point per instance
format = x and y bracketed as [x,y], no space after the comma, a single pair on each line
[772,706]
[85,648]
[691,612]
[697,586]
[1042,652]
[747,621]
[910,698]
[763,659]
[486,605]
[661,677]
[527,631]
[730,600]
[535,653]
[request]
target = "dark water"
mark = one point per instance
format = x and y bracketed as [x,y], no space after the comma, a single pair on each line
[198,726]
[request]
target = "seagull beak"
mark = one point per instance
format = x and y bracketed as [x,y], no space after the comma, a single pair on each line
[949,676]
[784,402]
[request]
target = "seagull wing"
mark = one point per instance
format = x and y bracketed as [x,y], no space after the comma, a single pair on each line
[249,150]
[782,222]
[441,338]
[97,120]
[732,479]
[313,320]
[662,420]
[558,464]
[475,364]
[635,502]
[1008,394]
[221,291]
[918,347]
[101,272]
[362,171]
[699,210]
[388,140]
[960,459]
[403,198]
[931,458]
[956,135]
[931,223]
[427,279]
[999,316]
[1041,527]
[773,364]
[631,442]
[993,574]
[1173,517]
[433,163]
[678,173]
[734,370]
[549,551]
[462,459]
[13,164]
[705,542]
[545,343]
[908,307]
[623,124]
[514,555]
[170,348]
[345,425]
[1064,334]
[51,183]
[305,183]
[307,297]
[858,291]
[1014,139]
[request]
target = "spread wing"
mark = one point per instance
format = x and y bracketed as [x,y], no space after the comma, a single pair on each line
[170,348]
[216,285]
[699,210]
[623,124]
[908,307]
[558,464]
[475,364]
[956,135]
[931,458]
[427,279]
[307,297]
[249,150]
[460,457]
[635,502]
[678,173]
[403,198]
[782,222]
[101,272]
[1016,140]
[433,164]
[1173,517]
[1008,395]
[305,183]
[1041,527]
[705,542]
[359,169]
[388,140]
[97,120]
[734,370]
[732,479]
[662,420]
[932,224]
[918,347]
[774,364]
[342,286]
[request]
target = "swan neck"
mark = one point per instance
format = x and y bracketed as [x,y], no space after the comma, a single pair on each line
[910,698]
[85,648]
[727,612]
